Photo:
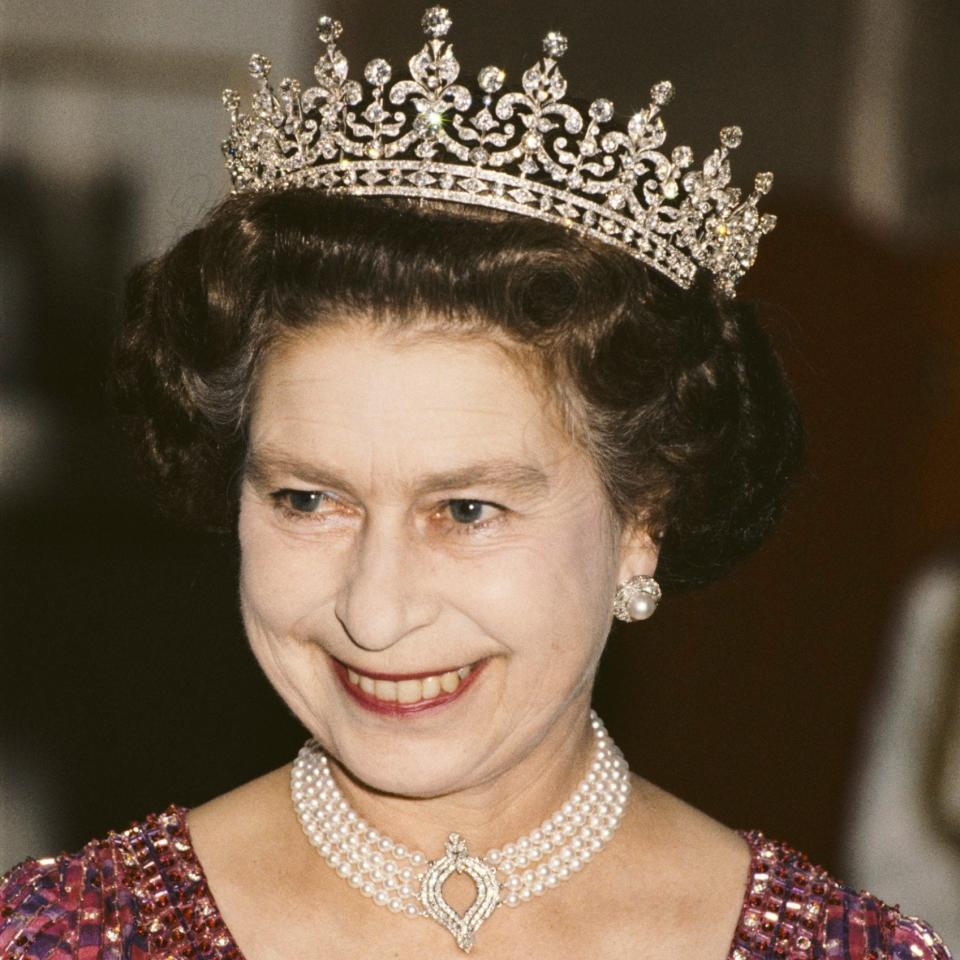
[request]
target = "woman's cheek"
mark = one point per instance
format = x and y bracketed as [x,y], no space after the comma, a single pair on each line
[283,581]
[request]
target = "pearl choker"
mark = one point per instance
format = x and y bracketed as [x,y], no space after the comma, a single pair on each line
[406,882]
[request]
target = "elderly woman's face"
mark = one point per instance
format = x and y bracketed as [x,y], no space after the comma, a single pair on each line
[428,562]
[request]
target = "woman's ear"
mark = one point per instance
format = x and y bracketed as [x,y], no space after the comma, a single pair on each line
[639,552]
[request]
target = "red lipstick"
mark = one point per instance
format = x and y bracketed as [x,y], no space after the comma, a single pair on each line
[393,708]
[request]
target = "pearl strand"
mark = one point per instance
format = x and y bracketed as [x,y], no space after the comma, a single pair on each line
[389,873]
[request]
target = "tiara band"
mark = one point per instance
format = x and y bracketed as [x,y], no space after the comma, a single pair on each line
[525,151]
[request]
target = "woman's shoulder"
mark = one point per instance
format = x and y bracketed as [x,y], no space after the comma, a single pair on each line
[794,908]
[128,896]
[66,906]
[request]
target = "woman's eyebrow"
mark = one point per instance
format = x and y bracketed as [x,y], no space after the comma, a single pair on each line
[502,473]
[262,467]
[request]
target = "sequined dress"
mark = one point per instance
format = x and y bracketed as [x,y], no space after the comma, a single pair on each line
[142,894]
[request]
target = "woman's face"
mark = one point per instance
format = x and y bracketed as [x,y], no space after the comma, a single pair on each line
[428,562]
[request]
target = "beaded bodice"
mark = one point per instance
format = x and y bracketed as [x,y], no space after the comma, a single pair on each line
[142,894]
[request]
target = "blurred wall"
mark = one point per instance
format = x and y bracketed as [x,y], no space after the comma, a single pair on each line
[126,680]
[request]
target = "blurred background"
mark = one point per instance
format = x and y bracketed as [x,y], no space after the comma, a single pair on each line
[815,695]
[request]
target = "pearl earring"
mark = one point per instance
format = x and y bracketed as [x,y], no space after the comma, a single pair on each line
[636,599]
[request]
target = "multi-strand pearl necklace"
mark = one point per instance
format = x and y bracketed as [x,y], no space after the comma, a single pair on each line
[406,882]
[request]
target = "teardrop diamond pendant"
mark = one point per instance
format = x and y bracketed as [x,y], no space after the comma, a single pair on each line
[457,860]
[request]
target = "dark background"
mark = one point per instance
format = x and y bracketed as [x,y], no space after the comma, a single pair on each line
[125,676]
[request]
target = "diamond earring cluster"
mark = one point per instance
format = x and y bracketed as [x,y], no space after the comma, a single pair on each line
[636,599]
[525,151]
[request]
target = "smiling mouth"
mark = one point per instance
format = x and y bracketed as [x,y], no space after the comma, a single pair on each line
[406,693]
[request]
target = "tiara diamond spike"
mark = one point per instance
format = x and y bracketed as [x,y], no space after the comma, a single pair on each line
[526,151]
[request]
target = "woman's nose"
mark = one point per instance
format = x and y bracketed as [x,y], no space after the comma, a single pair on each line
[385,594]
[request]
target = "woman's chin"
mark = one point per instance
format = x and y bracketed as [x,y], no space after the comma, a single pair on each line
[408,770]
[424,747]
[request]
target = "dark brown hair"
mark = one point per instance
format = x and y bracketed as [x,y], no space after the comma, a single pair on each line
[678,395]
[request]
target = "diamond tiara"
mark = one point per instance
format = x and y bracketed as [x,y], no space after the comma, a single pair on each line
[525,151]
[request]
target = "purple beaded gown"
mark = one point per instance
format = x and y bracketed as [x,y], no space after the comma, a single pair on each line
[142,894]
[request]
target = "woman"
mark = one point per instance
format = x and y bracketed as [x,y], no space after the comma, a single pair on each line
[456,432]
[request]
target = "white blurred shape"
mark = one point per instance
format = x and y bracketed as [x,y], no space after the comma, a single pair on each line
[875,162]
[29,824]
[905,815]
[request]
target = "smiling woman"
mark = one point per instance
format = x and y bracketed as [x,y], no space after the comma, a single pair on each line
[454,441]
[453,519]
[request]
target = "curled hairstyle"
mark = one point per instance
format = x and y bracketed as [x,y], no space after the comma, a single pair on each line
[677,395]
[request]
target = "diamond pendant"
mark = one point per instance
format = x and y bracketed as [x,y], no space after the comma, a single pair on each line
[464,928]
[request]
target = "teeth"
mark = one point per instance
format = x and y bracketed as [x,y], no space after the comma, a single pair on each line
[410,691]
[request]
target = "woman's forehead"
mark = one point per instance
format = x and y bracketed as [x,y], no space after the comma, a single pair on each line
[402,403]
[386,373]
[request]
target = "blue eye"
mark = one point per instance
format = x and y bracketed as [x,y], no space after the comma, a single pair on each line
[466,511]
[304,501]
[308,506]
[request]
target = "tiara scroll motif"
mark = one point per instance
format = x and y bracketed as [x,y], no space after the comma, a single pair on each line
[525,151]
